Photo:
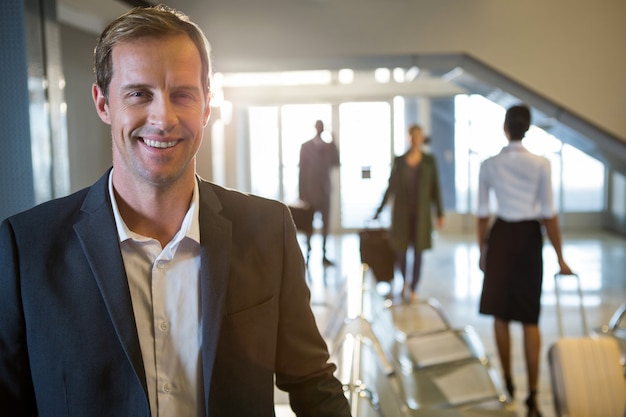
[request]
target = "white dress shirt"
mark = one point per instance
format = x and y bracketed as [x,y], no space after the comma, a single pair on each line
[165,291]
[521,182]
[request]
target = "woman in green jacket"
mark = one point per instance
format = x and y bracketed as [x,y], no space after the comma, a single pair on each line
[414,185]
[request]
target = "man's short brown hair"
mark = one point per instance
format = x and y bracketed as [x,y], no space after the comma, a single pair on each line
[148,22]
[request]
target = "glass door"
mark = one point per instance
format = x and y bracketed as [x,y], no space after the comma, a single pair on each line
[365,153]
[364,138]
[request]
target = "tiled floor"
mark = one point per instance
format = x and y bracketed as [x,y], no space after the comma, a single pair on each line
[451,275]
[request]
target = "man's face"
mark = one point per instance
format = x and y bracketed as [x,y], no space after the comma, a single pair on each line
[157,109]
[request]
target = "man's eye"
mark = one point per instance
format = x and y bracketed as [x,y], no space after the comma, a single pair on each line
[137,94]
[184,96]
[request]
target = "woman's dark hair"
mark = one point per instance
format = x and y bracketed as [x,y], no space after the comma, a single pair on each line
[517,121]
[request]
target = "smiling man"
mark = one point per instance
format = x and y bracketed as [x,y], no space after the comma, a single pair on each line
[154,292]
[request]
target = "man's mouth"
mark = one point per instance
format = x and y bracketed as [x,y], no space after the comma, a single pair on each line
[159,144]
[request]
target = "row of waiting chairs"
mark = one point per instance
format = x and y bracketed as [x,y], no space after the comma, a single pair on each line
[406,359]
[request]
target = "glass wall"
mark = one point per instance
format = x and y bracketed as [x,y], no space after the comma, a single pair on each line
[364,142]
[297,127]
[276,134]
[365,131]
[264,152]
[370,133]
[578,179]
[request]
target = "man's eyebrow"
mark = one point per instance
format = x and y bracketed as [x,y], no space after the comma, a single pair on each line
[187,88]
[137,86]
[140,86]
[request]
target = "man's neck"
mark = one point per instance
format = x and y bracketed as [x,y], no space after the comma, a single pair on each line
[156,212]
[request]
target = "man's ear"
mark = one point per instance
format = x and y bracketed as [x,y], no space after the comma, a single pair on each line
[207,111]
[102,107]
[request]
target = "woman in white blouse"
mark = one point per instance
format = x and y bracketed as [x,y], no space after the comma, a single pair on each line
[513,265]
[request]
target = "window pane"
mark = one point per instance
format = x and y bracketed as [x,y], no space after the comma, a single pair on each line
[618,204]
[264,151]
[365,159]
[399,127]
[540,142]
[479,135]
[583,181]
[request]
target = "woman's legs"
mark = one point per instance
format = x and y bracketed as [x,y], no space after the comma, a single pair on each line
[503,343]
[532,348]
[410,282]
[401,261]
[417,268]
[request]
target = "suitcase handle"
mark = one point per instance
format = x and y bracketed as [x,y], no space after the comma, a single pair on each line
[557,294]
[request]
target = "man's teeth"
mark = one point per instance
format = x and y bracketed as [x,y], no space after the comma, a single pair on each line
[159,144]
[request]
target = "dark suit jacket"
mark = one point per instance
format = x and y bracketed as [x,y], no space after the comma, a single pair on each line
[317,158]
[68,337]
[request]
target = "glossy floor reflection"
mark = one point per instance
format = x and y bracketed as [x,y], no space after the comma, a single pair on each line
[450,274]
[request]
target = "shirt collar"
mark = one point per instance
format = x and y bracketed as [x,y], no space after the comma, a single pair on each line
[514,145]
[190,225]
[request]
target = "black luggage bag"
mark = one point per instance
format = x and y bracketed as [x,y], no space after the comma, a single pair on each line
[302,215]
[377,252]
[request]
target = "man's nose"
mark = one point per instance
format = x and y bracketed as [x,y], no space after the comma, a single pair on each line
[162,114]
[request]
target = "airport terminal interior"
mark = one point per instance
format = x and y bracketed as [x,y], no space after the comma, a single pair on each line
[451,281]
[434,355]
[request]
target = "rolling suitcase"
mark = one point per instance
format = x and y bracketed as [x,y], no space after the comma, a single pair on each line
[585,372]
[377,253]
[587,378]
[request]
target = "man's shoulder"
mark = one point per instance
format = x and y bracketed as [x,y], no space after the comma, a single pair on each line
[230,197]
[247,213]
[69,202]
[50,218]
[57,210]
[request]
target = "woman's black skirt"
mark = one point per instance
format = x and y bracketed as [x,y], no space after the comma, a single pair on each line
[514,271]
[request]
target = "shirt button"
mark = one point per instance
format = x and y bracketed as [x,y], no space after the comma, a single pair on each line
[164,326]
[167,388]
[160,264]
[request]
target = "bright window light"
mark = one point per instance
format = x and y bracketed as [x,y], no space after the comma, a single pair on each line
[346,76]
[411,74]
[382,75]
[254,79]
[398,75]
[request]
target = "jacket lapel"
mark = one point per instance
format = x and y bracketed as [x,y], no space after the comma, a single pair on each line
[98,236]
[215,239]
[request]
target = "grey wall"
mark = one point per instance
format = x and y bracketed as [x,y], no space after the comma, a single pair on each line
[89,139]
[570,51]
[16,170]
